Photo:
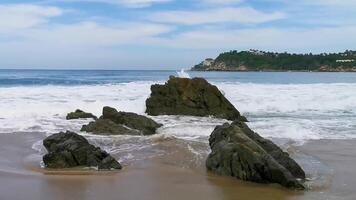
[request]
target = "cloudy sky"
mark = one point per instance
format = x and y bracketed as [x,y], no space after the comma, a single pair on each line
[165,34]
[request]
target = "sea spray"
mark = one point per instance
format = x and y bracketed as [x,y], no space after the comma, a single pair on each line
[294,111]
[183,74]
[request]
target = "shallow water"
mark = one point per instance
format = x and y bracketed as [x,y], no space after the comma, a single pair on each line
[167,169]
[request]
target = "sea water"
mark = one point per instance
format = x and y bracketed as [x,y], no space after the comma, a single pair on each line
[283,106]
[289,108]
[294,105]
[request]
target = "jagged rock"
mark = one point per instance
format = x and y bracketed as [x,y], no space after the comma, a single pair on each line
[239,152]
[196,97]
[108,127]
[67,150]
[122,123]
[79,114]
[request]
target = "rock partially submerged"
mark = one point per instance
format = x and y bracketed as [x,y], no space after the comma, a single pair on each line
[239,152]
[68,150]
[79,114]
[196,97]
[122,123]
[108,127]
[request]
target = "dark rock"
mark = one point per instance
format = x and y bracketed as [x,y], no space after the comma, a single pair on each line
[239,152]
[276,152]
[108,127]
[79,114]
[67,150]
[143,124]
[196,97]
[113,122]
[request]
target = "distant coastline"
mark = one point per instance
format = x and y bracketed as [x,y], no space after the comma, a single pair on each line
[269,70]
[255,61]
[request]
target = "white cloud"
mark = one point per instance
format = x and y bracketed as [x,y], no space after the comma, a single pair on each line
[127,3]
[305,4]
[274,39]
[141,3]
[336,3]
[92,34]
[221,2]
[21,16]
[93,45]
[228,14]
[84,44]
[27,32]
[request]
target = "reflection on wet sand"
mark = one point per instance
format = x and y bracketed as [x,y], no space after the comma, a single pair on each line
[178,172]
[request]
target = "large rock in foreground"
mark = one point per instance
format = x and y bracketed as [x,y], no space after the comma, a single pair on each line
[79,114]
[68,150]
[196,97]
[122,123]
[239,152]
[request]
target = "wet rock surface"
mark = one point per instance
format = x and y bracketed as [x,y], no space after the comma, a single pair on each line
[68,150]
[239,152]
[108,127]
[113,122]
[195,97]
[79,114]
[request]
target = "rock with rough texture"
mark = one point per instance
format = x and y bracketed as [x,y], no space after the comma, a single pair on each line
[79,114]
[113,122]
[108,127]
[131,120]
[239,152]
[195,97]
[68,150]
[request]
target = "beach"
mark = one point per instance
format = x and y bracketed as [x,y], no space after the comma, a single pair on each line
[309,115]
[169,176]
[177,100]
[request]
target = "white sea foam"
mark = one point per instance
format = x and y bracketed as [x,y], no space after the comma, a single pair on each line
[188,127]
[296,112]
[306,98]
[183,74]
[43,108]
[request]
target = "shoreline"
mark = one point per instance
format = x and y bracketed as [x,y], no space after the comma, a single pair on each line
[166,176]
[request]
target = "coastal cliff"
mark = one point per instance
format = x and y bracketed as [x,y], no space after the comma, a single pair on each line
[255,60]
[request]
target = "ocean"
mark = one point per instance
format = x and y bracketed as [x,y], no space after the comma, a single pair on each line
[312,116]
[297,106]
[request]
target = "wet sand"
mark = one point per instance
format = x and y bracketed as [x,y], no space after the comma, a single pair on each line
[162,177]
[339,156]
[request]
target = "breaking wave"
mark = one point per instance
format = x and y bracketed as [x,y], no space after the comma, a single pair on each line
[297,111]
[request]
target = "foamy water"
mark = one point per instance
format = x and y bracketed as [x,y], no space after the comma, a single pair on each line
[289,108]
[290,111]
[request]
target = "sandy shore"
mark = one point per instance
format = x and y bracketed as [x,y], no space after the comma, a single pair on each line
[161,178]
[339,157]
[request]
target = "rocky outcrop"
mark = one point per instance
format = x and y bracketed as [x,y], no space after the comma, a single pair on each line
[239,152]
[122,123]
[337,69]
[108,127]
[213,65]
[79,114]
[196,97]
[256,60]
[68,150]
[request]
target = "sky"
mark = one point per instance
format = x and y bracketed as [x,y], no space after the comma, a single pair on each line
[165,34]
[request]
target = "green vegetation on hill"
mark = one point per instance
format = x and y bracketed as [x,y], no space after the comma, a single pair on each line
[255,60]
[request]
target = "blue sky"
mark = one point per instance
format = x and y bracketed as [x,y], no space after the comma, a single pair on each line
[165,34]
